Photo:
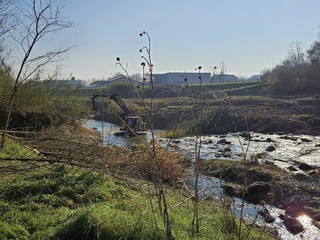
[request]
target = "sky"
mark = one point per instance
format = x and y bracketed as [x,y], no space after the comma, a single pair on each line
[248,36]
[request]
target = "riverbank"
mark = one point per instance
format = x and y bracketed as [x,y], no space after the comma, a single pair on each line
[264,114]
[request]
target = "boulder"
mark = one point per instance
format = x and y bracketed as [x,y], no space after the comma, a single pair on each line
[292,169]
[305,140]
[295,207]
[305,167]
[223,141]
[292,224]
[270,148]
[265,213]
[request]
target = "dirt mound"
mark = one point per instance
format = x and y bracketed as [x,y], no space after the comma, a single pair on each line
[28,120]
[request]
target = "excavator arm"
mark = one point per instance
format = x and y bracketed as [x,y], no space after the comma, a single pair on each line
[113,97]
[133,125]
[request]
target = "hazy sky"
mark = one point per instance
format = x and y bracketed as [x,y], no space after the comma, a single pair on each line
[247,35]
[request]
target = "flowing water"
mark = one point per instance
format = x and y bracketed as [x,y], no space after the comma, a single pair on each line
[107,131]
[288,150]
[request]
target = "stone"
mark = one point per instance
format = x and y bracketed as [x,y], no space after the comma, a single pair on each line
[270,148]
[269,140]
[295,207]
[223,141]
[266,215]
[292,224]
[292,169]
[207,141]
[305,140]
[305,167]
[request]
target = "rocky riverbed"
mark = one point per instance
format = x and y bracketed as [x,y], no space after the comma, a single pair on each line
[279,175]
[282,175]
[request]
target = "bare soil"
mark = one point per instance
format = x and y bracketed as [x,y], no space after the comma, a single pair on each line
[258,114]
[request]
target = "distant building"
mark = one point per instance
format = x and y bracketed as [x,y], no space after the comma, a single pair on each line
[120,79]
[98,84]
[178,78]
[222,78]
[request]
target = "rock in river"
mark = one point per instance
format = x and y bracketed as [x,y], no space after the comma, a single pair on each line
[270,148]
[295,207]
[292,224]
[305,167]
[223,141]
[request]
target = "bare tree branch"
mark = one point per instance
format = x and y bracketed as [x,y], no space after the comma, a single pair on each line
[35,19]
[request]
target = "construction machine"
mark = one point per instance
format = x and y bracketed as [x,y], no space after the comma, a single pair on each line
[132,125]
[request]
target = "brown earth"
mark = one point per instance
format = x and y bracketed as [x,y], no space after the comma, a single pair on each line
[259,114]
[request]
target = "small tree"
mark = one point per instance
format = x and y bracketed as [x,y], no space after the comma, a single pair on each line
[33,21]
[223,71]
[314,51]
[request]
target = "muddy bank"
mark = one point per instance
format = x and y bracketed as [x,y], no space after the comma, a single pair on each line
[232,114]
[31,121]
[258,114]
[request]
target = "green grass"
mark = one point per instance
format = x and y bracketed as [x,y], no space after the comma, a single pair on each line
[13,149]
[67,203]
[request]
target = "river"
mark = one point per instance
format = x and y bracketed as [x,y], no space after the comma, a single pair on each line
[287,150]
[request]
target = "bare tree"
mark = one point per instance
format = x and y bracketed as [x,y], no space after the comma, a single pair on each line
[4,16]
[33,21]
[223,71]
[314,51]
[296,55]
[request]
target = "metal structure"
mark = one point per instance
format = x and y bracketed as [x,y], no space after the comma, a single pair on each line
[132,125]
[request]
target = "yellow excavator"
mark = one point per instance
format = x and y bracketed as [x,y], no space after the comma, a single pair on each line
[132,125]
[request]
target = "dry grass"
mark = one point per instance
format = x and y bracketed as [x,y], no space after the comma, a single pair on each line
[79,146]
[154,161]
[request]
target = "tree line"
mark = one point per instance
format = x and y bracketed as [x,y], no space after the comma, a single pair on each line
[299,72]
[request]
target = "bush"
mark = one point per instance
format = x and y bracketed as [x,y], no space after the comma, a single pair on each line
[123,90]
